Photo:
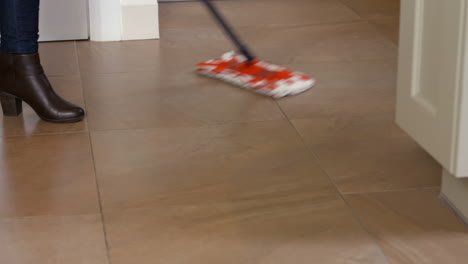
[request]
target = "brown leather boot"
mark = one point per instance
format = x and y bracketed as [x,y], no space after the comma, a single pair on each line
[22,79]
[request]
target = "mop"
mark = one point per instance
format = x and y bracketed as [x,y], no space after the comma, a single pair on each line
[246,71]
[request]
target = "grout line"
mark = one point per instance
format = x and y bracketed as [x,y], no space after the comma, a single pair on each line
[368,20]
[243,28]
[98,190]
[234,123]
[364,227]
[341,195]
[45,134]
[300,26]
[151,71]
[383,34]
[352,9]
[394,190]
[51,215]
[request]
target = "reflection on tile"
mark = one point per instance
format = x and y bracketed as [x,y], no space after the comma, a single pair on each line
[144,99]
[59,58]
[210,164]
[52,239]
[69,87]
[47,175]
[292,231]
[413,227]
[375,8]
[268,13]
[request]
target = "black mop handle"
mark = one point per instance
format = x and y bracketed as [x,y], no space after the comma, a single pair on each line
[242,48]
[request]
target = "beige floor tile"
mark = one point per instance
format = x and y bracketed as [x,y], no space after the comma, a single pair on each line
[181,49]
[146,99]
[69,87]
[389,27]
[318,130]
[348,121]
[47,175]
[256,13]
[59,58]
[374,164]
[413,227]
[249,232]
[345,89]
[375,8]
[203,165]
[317,43]
[52,239]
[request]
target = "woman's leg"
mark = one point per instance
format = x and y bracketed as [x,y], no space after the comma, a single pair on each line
[22,78]
[19,26]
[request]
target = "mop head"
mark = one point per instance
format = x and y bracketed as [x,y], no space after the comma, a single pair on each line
[258,76]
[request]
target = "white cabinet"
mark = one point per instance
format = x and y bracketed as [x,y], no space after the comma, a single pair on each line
[432,103]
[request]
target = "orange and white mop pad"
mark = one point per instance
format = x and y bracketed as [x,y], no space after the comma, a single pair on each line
[250,73]
[256,75]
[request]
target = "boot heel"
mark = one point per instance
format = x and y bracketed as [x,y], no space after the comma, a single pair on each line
[11,105]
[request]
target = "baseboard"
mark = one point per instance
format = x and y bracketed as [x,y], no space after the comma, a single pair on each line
[454,208]
[140,20]
[455,194]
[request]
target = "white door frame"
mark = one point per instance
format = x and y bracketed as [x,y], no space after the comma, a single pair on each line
[114,20]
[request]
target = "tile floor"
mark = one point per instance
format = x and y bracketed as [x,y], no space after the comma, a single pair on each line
[170,167]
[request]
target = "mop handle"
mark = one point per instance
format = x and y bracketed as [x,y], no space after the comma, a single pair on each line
[242,48]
